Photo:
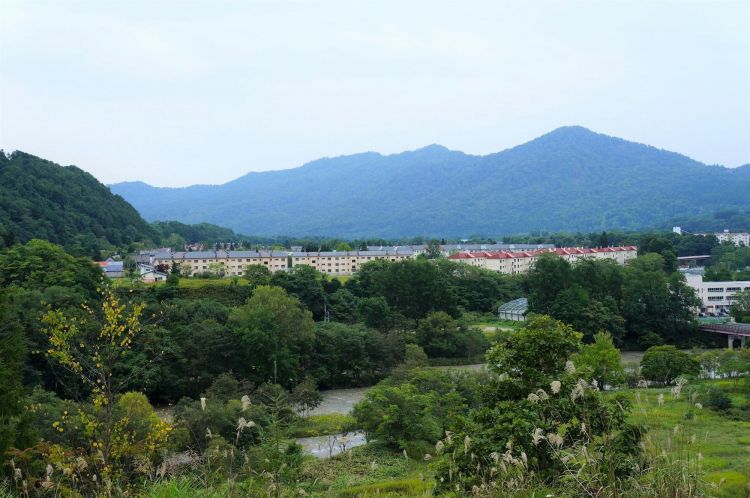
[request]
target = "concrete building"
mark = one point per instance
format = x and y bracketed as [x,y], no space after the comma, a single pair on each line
[235,263]
[716,297]
[738,239]
[448,249]
[513,262]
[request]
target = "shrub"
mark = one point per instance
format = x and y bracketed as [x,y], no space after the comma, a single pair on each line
[717,399]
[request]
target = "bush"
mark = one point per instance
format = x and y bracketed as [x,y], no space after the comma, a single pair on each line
[717,399]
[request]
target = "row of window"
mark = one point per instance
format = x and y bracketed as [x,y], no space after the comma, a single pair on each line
[728,289]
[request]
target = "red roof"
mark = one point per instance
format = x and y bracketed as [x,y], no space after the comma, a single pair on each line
[560,251]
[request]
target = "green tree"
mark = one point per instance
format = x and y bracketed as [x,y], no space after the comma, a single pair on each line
[305,396]
[352,355]
[433,250]
[535,353]
[441,336]
[374,312]
[549,276]
[398,416]
[12,355]
[412,287]
[741,306]
[343,246]
[306,284]
[342,306]
[276,334]
[665,363]
[601,361]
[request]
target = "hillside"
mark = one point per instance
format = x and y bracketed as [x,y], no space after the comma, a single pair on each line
[65,205]
[569,179]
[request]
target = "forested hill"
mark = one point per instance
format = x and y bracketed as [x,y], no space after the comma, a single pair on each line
[569,179]
[65,205]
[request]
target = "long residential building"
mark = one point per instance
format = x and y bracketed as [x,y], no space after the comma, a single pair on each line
[235,263]
[512,262]
[448,249]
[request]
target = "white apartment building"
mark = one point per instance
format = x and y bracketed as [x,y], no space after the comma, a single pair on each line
[511,263]
[715,296]
[735,238]
[235,263]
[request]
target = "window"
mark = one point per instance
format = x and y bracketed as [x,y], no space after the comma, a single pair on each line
[733,289]
[715,298]
[716,289]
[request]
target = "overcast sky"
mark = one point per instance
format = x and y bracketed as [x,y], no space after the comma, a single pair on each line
[177,93]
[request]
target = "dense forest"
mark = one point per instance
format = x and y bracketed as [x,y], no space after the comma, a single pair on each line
[65,205]
[568,179]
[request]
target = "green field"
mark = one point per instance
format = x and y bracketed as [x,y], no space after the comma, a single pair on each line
[723,442]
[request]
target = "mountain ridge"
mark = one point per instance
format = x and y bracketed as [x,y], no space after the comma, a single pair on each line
[437,191]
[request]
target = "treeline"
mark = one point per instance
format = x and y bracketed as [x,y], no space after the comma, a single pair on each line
[281,327]
[641,304]
[728,219]
[729,262]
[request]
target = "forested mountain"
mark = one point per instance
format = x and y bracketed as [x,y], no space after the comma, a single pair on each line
[65,205]
[728,219]
[569,179]
[199,232]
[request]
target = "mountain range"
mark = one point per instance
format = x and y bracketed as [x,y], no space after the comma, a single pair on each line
[567,180]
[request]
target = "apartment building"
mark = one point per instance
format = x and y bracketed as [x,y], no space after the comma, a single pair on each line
[715,296]
[448,249]
[735,238]
[235,263]
[512,262]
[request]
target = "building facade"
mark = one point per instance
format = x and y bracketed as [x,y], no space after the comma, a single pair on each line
[515,262]
[716,297]
[235,263]
[738,239]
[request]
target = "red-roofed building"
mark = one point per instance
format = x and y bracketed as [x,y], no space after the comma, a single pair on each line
[511,263]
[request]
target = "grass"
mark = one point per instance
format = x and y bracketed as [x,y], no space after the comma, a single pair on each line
[723,442]
[367,471]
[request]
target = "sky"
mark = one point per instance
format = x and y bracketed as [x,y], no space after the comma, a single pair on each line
[179,93]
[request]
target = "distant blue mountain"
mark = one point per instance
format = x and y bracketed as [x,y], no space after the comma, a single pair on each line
[568,179]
